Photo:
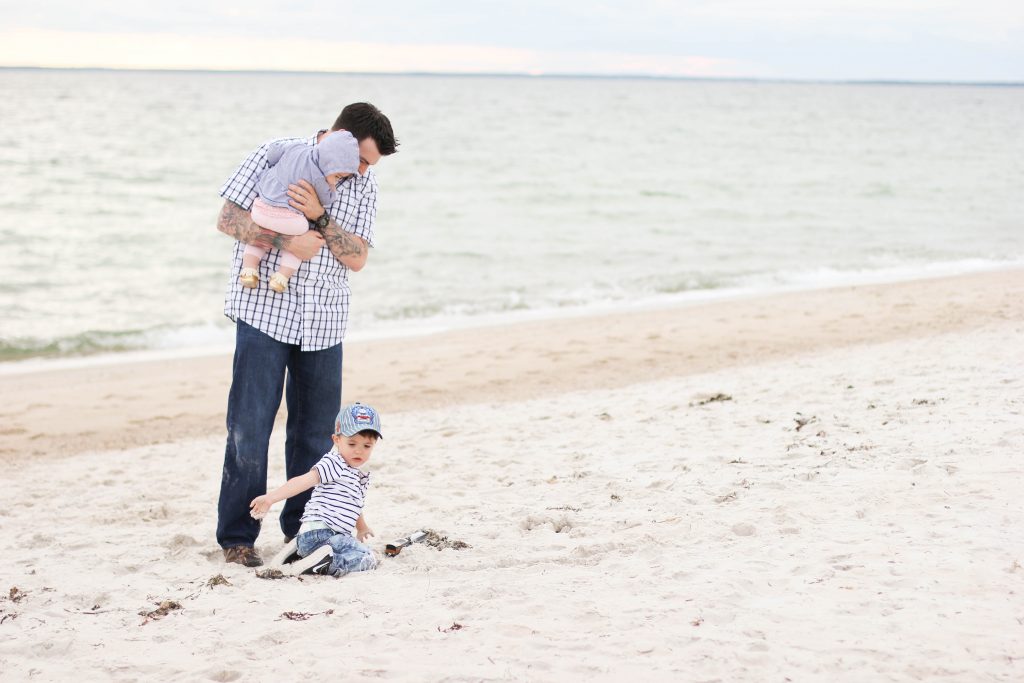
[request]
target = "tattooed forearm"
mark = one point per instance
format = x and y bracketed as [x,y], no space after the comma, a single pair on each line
[342,243]
[345,246]
[236,222]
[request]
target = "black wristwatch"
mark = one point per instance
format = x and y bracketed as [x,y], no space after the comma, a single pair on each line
[321,223]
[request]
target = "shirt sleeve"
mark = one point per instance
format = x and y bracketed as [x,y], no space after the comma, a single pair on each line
[240,187]
[329,467]
[366,212]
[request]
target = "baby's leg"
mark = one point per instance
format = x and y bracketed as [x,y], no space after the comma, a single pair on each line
[252,256]
[350,555]
[288,264]
[250,275]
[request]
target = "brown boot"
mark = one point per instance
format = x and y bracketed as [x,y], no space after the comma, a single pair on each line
[244,555]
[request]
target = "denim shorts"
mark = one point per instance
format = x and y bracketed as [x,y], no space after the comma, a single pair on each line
[349,554]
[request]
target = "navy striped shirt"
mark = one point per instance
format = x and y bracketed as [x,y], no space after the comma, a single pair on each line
[313,313]
[337,500]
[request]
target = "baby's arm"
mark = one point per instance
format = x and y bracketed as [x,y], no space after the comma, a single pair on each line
[363,531]
[260,505]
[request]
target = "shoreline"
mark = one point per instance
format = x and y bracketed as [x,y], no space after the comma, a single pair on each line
[424,328]
[124,405]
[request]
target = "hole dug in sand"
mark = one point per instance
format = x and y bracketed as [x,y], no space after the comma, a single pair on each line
[560,525]
[436,540]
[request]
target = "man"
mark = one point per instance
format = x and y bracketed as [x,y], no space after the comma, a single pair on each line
[291,341]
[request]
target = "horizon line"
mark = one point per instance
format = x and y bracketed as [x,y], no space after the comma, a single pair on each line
[527,75]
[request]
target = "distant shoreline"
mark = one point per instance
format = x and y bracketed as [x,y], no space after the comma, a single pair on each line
[529,76]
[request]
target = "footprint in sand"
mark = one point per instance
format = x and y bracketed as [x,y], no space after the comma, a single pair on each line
[744,529]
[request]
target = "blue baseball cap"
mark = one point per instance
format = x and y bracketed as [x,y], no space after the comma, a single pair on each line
[354,418]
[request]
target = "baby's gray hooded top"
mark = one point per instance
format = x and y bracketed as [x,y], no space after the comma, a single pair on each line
[294,160]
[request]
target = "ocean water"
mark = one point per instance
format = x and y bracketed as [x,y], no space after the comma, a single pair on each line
[509,197]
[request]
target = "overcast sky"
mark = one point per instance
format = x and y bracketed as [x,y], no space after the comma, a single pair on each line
[931,40]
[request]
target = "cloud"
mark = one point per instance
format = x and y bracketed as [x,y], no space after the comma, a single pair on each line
[172,51]
[840,39]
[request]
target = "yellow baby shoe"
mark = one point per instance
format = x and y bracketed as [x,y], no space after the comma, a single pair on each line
[279,283]
[249,277]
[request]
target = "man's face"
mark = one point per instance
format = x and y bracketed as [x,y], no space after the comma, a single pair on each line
[355,449]
[368,154]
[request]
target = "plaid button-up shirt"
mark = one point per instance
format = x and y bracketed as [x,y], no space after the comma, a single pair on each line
[313,313]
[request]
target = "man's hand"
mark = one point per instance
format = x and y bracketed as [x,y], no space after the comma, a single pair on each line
[306,245]
[349,249]
[260,506]
[303,197]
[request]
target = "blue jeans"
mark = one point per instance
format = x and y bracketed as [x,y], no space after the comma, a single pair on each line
[313,397]
[349,554]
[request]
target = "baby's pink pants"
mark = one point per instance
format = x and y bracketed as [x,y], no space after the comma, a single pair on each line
[278,219]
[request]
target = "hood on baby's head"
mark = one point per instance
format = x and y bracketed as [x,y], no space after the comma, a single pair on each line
[337,152]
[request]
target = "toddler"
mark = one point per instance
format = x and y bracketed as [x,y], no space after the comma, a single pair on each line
[335,510]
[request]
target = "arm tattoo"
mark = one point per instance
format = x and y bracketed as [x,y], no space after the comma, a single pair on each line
[234,221]
[342,243]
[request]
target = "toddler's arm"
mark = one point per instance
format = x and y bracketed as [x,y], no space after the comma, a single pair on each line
[260,505]
[363,531]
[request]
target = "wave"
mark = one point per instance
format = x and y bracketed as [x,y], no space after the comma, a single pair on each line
[93,342]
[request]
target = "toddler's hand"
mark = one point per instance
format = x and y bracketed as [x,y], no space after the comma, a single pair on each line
[259,506]
[363,534]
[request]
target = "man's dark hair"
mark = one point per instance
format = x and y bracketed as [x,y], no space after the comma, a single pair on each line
[364,120]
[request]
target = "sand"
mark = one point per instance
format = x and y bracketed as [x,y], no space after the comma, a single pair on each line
[814,486]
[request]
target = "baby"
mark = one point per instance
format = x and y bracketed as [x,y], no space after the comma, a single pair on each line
[325,541]
[323,165]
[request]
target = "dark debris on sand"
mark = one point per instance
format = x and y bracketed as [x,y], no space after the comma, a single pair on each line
[302,616]
[15,595]
[711,398]
[456,626]
[162,610]
[803,420]
[270,574]
[218,580]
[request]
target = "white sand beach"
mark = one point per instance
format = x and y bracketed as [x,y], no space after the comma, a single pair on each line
[817,486]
